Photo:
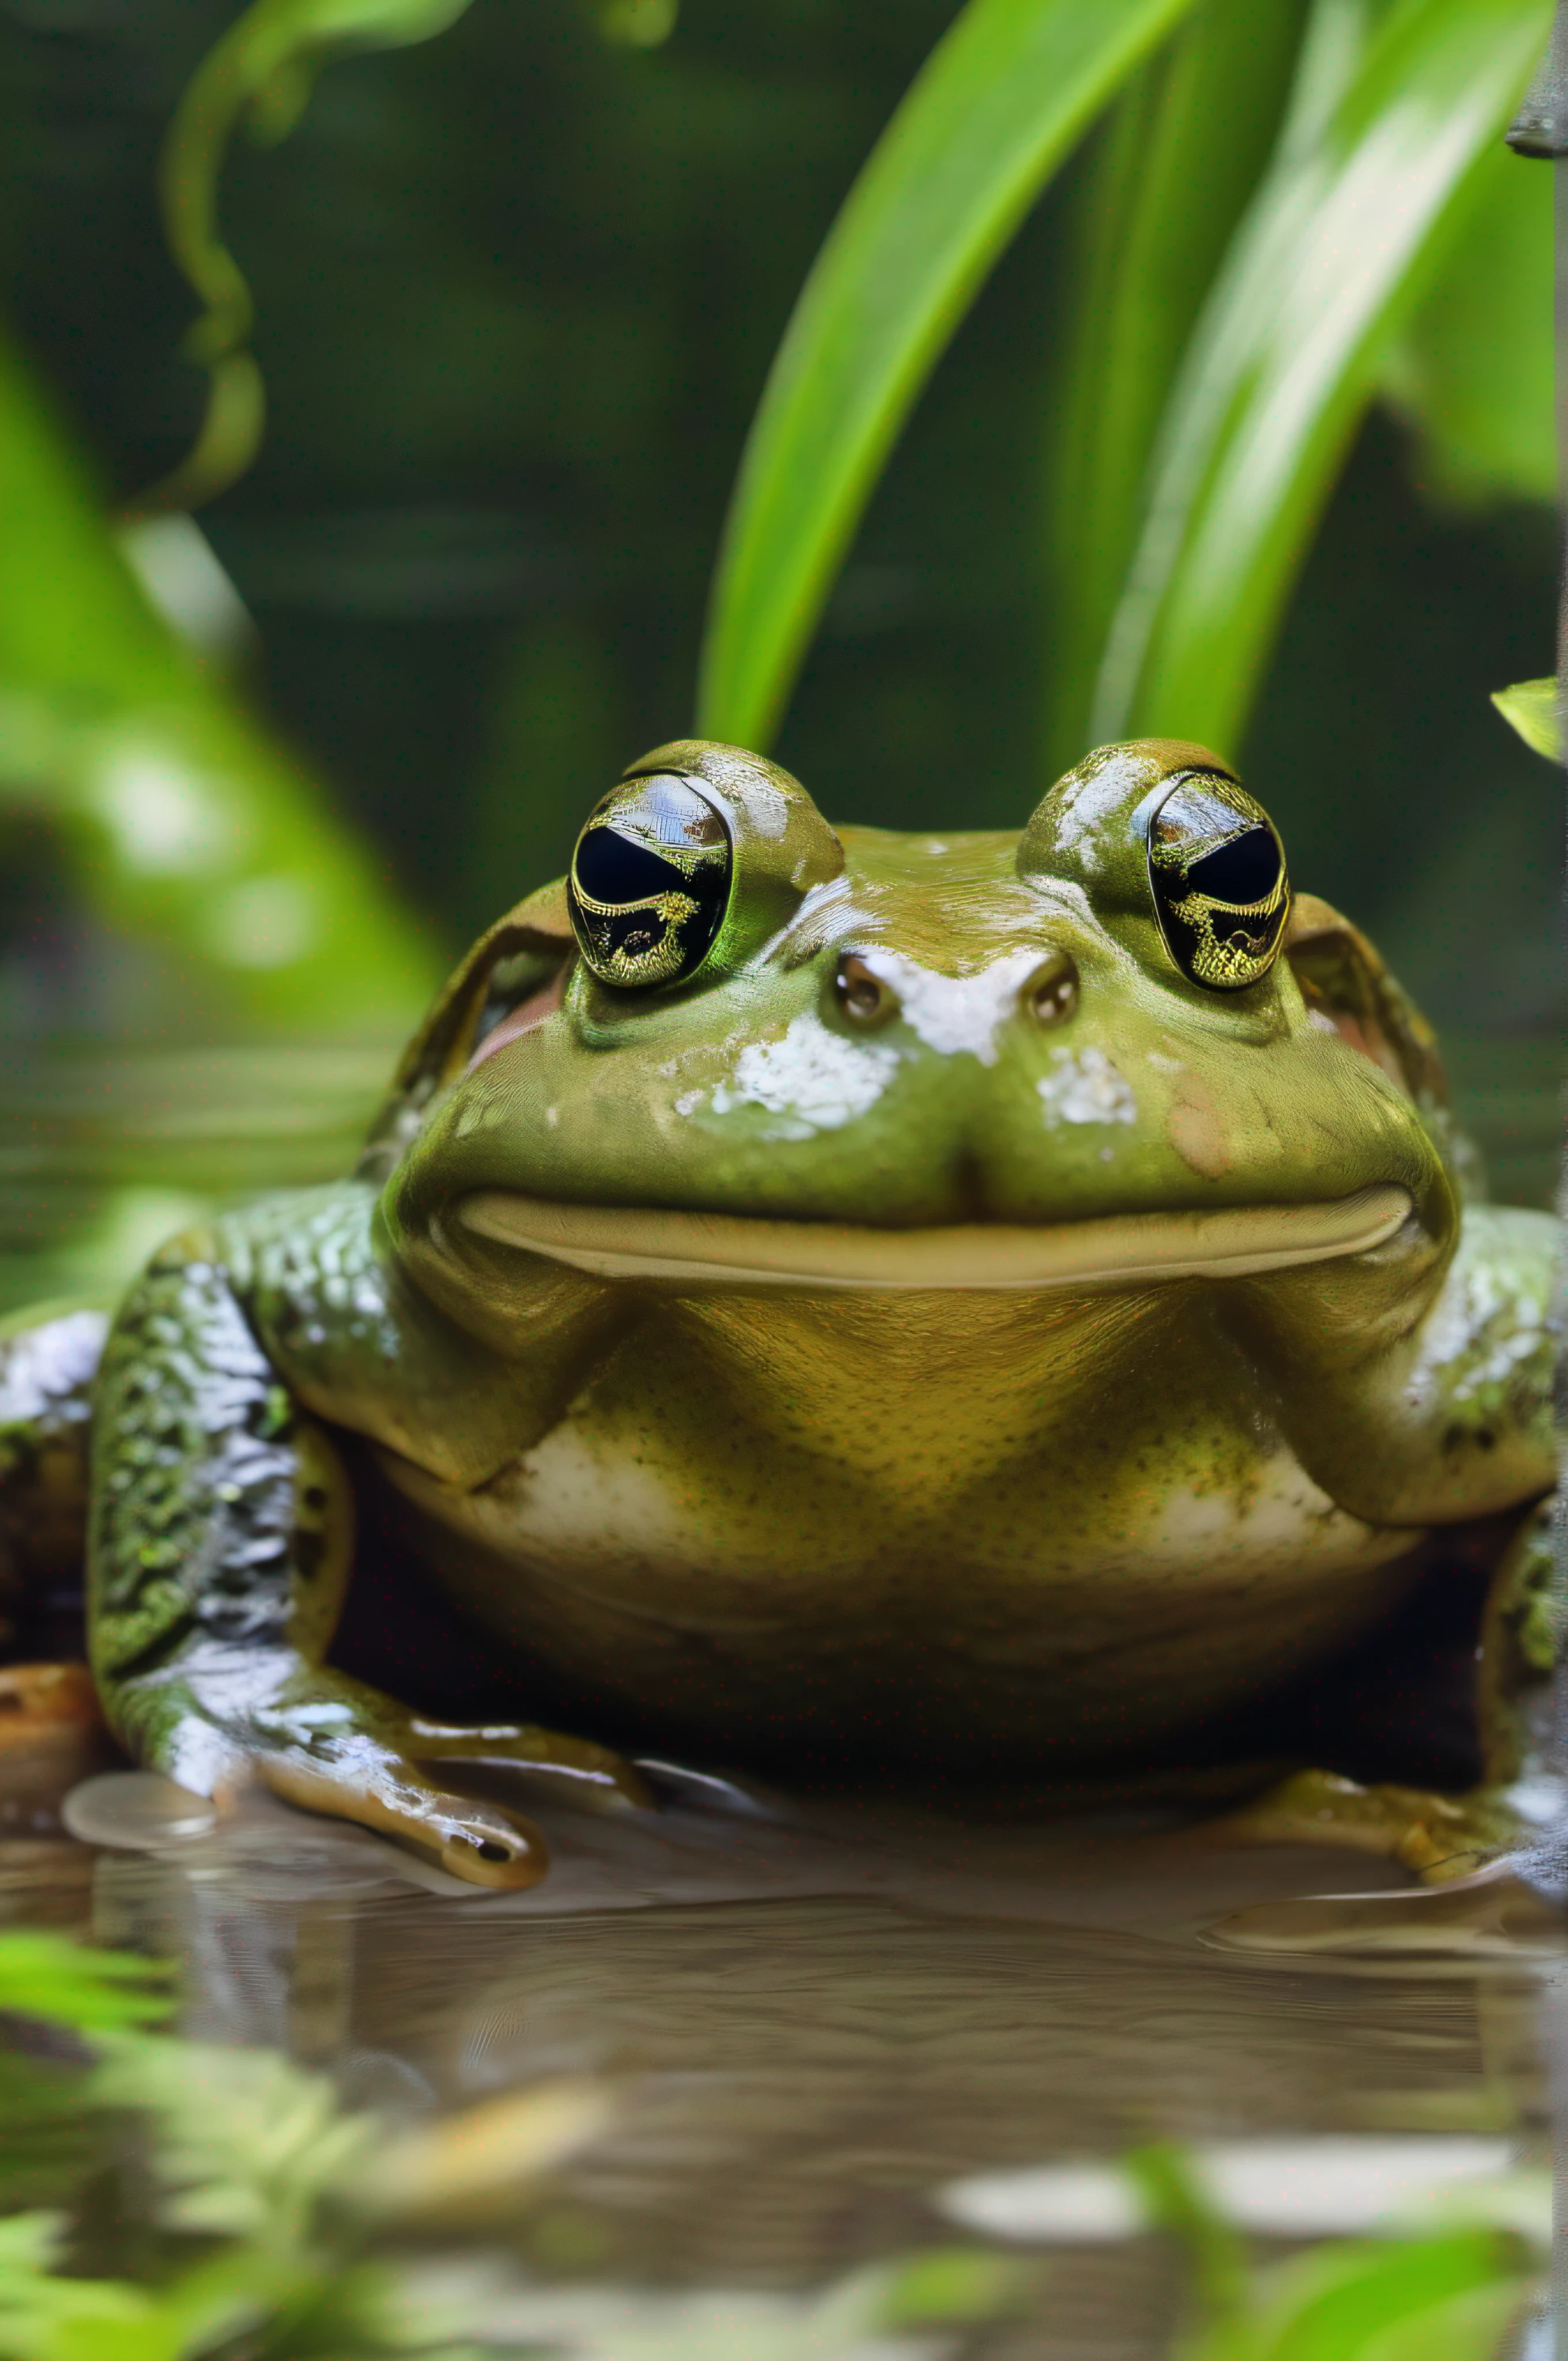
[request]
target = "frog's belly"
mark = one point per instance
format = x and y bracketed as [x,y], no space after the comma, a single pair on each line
[987,1622]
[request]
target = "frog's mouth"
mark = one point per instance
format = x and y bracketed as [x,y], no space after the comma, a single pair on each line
[720,1250]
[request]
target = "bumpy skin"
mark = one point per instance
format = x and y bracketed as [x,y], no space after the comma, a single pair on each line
[221,1537]
[938,1328]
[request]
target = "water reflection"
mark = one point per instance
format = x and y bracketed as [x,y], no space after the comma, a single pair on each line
[811,2027]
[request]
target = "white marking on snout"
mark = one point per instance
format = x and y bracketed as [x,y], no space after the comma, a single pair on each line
[1085,1087]
[955,1015]
[813,1079]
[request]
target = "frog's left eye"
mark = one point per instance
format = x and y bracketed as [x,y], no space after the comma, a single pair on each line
[1217,878]
[650,882]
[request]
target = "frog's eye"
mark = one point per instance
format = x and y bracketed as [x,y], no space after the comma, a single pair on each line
[650,882]
[1217,877]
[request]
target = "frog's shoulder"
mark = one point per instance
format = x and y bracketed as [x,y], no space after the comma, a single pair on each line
[514,959]
[1344,979]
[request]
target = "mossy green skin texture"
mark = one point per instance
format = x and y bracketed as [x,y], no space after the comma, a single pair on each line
[944,1326]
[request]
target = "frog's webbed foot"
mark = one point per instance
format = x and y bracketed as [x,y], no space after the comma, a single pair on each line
[1439,1837]
[223,1534]
[355,1779]
[222,1717]
[330,1745]
[591,1777]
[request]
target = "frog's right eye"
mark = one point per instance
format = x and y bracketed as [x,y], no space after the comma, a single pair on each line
[650,882]
[1216,872]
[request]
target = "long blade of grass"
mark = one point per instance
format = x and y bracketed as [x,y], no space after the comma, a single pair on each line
[1338,242]
[998,104]
[1184,149]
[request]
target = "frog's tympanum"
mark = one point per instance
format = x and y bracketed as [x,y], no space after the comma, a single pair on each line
[997,1308]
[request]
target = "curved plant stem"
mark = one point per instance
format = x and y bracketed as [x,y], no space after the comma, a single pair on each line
[262,68]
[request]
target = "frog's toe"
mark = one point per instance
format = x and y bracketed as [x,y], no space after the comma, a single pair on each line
[580,1773]
[485,1844]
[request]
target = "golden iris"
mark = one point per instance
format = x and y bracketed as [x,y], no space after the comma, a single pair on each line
[1218,880]
[650,882]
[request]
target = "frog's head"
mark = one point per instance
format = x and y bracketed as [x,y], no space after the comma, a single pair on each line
[736,1046]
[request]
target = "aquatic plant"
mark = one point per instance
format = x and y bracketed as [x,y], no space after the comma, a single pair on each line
[186,823]
[1453,2292]
[1281,221]
[250,2211]
[1279,190]
[242,2207]
[1240,294]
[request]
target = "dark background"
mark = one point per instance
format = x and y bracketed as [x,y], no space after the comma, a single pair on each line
[518,290]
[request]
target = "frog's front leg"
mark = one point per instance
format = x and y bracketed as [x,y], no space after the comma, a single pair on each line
[1423,1399]
[1443,1837]
[220,1541]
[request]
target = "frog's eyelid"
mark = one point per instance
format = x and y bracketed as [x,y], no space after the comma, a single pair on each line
[1173,852]
[653,836]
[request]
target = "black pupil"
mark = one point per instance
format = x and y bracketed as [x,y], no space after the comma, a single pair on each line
[1244,870]
[611,868]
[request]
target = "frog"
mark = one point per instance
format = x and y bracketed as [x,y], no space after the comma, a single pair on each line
[995,1305]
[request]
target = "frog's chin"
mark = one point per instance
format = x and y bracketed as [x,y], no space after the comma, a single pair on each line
[728,1249]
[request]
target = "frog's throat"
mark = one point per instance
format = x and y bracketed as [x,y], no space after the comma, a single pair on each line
[720,1249]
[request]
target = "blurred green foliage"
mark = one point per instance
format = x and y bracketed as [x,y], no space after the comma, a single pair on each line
[518,290]
[1473,368]
[249,2216]
[1455,2292]
[1532,707]
[191,828]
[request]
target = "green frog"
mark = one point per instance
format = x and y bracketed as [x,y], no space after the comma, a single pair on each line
[987,1306]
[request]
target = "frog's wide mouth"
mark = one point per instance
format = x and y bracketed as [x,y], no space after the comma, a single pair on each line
[743,1250]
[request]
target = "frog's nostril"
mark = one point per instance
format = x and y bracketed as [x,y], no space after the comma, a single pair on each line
[1052,992]
[861,994]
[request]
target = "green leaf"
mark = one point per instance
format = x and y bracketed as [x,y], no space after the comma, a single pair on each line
[48,1977]
[263,66]
[1530,707]
[638,23]
[45,2316]
[184,823]
[1474,369]
[1182,152]
[952,2284]
[28,2243]
[1336,246]
[49,2144]
[1174,2200]
[249,2144]
[996,106]
[1373,2300]
[1474,2326]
